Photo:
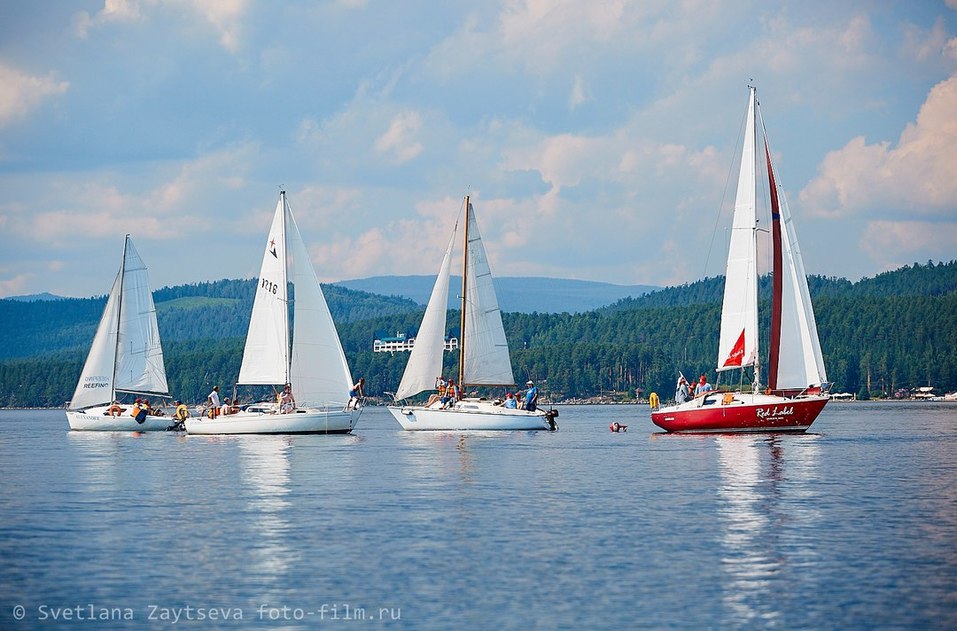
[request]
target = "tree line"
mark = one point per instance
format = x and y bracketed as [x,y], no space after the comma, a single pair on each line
[893,331]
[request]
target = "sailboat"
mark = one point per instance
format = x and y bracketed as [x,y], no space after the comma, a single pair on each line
[797,388]
[314,364]
[125,359]
[483,351]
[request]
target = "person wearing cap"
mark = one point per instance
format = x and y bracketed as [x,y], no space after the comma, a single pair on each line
[703,386]
[182,412]
[531,396]
[510,403]
[681,391]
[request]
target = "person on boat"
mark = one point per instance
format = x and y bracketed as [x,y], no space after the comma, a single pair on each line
[681,391]
[140,411]
[703,386]
[226,408]
[182,412]
[115,409]
[213,403]
[287,402]
[451,394]
[531,396]
[510,402]
[356,393]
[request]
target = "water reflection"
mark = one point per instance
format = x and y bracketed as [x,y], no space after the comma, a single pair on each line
[766,504]
[265,474]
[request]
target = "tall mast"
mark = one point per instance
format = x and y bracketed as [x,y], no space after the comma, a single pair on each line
[465,267]
[753,139]
[119,317]
[285,283]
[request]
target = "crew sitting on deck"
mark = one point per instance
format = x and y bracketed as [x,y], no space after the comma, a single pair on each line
[510,402]
[182,412]
[451,394]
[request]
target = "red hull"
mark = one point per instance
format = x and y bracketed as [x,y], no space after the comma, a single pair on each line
[746,413]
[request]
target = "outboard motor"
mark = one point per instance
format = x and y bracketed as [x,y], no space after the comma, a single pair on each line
[550,417]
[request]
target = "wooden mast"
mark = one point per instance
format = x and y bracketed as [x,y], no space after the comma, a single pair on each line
[465,267]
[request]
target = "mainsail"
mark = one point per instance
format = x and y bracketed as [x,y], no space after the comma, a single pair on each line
[319,370]
[486,360]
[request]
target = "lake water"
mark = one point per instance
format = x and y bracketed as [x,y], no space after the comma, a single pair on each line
[852,525]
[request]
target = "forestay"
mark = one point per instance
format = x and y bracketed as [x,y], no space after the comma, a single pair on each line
[425,360]
[738,343]
[266,356]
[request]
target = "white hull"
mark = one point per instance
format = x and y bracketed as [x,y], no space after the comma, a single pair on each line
[468,415]
[309,421]
[94,419]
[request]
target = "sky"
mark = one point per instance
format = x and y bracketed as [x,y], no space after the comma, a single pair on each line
[596,139]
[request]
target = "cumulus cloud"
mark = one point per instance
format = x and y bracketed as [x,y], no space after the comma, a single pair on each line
[918,175]
[16,285]
[896,243]
[225,16]
[97,206]
[400,141]
[20,93]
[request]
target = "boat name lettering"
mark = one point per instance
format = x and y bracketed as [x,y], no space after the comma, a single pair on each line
[96,381]
[776,412]
[269,286]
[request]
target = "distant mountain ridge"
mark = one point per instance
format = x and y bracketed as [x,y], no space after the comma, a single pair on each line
[515,294]
[35,297]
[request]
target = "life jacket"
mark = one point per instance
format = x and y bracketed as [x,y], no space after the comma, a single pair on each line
[182,412]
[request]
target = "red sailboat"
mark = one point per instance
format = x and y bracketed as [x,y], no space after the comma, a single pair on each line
[797,386]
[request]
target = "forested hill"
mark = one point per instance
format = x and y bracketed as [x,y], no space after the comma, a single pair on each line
[212,310]
[932,279]
[895,330]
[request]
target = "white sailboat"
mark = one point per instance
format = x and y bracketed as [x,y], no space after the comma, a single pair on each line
[125,359]
[483,351]
[797,382]
[314,364]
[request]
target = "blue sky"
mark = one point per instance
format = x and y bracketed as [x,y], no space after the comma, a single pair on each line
[596,138]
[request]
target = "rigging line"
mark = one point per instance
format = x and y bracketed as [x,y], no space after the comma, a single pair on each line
[724,194]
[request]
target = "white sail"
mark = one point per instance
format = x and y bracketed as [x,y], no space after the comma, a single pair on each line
[96,381]
[486,349]
[126,354]
[738,344]
[139,355]
[425,360]
[319,373]
[801,362]
[266,356]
